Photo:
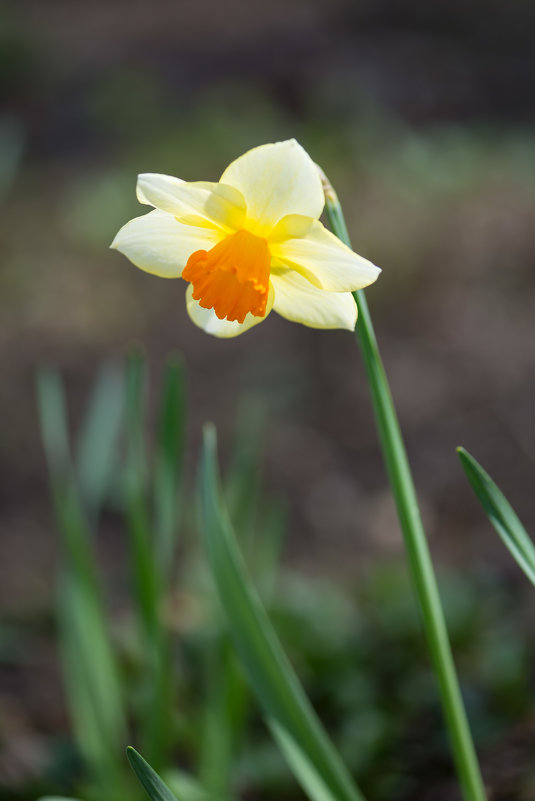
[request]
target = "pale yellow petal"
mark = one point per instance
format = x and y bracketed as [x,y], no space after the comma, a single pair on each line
[293,226]
[210,322]
[297,300]
[276,180]
[196,203]
[325,261]
[159,244]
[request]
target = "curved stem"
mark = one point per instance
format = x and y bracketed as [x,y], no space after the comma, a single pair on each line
[419,558]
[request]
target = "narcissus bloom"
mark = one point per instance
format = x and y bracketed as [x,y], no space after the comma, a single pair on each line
[248,244]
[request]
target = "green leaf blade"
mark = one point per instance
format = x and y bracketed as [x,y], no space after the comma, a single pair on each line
[269,672]
[500,513]
[155,787]
[309,777]
[96,447]
[168,462]
[89,665]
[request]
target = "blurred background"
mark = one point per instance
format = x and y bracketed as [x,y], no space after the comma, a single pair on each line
[422,114]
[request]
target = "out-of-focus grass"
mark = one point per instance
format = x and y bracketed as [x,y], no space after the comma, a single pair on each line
[371,667]
[110,693]
[357,648]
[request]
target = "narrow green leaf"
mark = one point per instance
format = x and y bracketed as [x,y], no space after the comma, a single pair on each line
[81,705]
[142,550]
[53,418]
[263,658]
[500,513]
[416,545]
[91,666]
[73,528]
[168,462]
[156,789]
[243,483]
[269,544]
[224,714]
[88,659]
[93,689]
[148,582]
[302,767]
[97,442]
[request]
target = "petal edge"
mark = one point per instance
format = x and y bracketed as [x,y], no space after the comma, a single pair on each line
[276,180]
[299,301]
[157,243]
[325,261]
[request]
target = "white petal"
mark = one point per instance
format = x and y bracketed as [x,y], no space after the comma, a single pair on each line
[276,180]
[197,203]
[299,301]
[210,322]
[159,244]
[325,261]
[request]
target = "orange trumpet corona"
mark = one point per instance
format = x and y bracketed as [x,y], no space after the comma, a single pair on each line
[232,278]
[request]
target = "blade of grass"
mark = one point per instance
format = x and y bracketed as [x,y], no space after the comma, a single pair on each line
[500,513]
[89,664]
[227,695]
[91,681]
[224,715]
[259,521]
[142,550]
[171,436]
[155,787]
[75,535]
[53,419]
[268,670]
[269,544]
[148,584]
[96,450]
[310,779]
[168,463]
[81,708]
[242,486]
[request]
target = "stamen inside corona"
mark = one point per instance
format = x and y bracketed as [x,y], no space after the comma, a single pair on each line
[232,278]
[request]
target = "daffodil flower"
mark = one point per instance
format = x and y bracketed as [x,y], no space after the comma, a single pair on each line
[249,244]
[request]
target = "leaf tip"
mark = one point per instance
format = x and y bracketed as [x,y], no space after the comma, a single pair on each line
[209,436]
[132,754]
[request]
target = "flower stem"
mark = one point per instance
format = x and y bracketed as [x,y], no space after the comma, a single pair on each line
[419,558]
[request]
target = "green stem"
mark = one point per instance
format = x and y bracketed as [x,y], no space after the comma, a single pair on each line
[423,575]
